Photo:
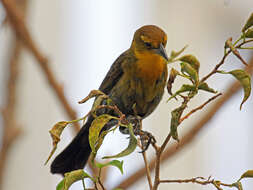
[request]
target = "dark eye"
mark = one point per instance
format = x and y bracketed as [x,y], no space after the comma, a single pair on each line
[148,45]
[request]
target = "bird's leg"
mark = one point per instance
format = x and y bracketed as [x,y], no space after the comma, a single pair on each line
[146,137]
[135,121]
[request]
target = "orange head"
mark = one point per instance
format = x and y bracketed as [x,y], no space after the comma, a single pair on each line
[149,39]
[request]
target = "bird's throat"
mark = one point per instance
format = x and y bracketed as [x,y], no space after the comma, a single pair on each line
[150,67]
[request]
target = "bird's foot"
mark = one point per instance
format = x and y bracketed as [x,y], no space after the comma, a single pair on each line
[136,123]
[146,139]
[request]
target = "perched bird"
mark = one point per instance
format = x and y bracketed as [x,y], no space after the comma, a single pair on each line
[136,79]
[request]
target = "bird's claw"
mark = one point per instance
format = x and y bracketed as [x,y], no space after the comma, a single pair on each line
[146,139]
[135,121]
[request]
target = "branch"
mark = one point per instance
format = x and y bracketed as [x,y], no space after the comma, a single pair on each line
[190,135]
[16,19]
[18,24]
[223,60]
[146,162]
[201,181]
[199,108]
[147,170]
[11,131]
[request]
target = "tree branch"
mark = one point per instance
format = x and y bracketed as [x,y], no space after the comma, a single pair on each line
[199,107]
[11,131]
[201,181]
[18,24]
[190,135]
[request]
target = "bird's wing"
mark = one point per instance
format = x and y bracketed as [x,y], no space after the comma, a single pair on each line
[114,73]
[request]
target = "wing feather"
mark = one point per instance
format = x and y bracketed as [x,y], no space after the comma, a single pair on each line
[114,73]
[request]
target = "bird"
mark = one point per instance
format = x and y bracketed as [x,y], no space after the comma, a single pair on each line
[135,83]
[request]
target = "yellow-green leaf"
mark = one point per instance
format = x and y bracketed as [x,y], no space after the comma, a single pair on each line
[234,50]
[172,77]
[116,163]
[249,33]
[184,88]
[55,133]
[175,54]
[175,121]
[248,24]
[190,71]
[247,174]
[72,177]
[100,140]
[192,60]
[204,86]
[92,94]
[245,80]
[130,148]
[95,128]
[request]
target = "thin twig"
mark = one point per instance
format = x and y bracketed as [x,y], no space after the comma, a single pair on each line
[157,168]
[223,60]
[160,150]
[199,180]
[147,170]
[199,107]
[99,180]
[190,135]
[146,164]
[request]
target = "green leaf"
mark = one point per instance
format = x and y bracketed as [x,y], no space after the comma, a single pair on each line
[116,163]
[245,80]
[234,50]
[174,123]
[92,94]
[72,177]
[55,133]
[175,117]
[192,60]
[172,77]
[175,54]
[238,185]
[248,24]
[190,71]
[249,33]
[60,185]
[247,174]
[100,140]
[95,129]
[184,88]
[204,86]
[131,146]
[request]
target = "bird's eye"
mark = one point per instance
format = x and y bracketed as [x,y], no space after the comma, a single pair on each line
[148,45]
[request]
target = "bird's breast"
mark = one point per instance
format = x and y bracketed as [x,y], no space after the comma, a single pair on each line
[150,67]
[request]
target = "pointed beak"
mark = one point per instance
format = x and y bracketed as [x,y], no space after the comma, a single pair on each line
[161,51]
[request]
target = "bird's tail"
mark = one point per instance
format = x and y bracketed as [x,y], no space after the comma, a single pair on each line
[76,154]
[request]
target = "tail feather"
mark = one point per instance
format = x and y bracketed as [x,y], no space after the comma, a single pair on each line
[76,154]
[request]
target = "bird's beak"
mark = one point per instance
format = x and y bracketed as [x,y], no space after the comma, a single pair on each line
[161,51]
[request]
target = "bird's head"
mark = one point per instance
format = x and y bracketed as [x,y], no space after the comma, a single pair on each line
[149,39]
